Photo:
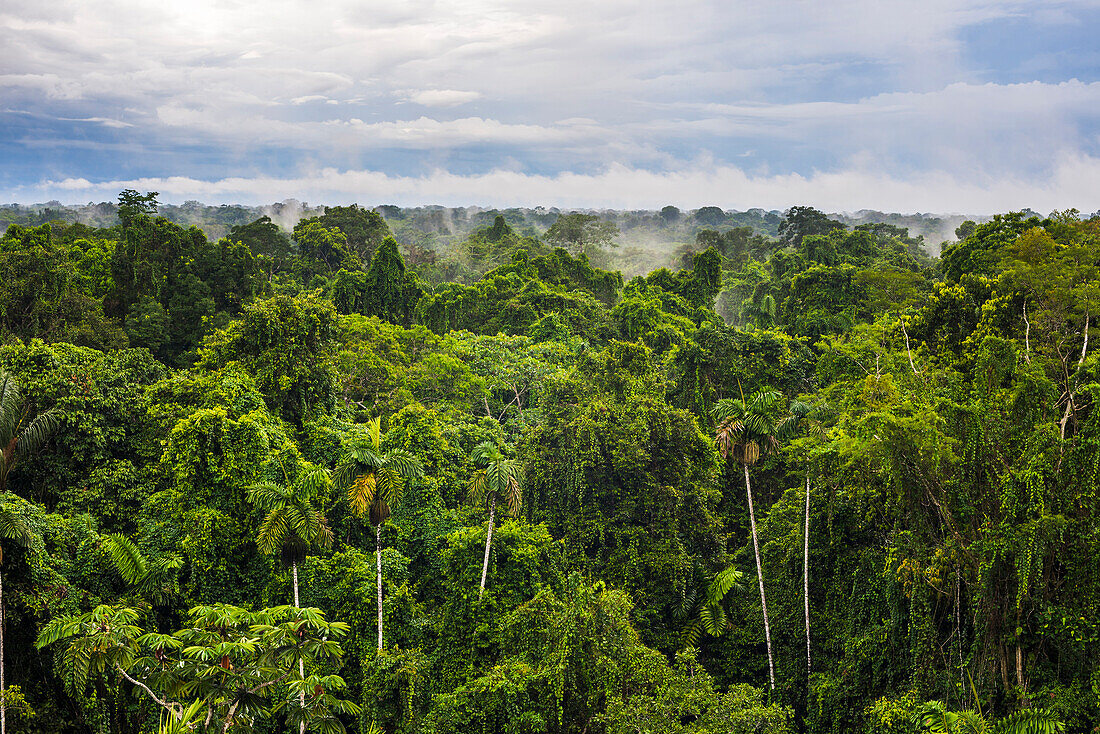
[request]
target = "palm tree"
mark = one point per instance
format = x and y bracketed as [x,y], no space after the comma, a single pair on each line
[497,479]
[292,526]
[374,480]
[746,431]
[14,529]
[20,435]
[800,411]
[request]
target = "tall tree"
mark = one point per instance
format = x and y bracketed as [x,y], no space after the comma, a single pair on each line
[374,480]
[583,233]
[390,292]
[746,431]
[266,241]
[14,529]
[801,221]
[812,416]
[497,479]
[364,228]
[20,434]
[292,525]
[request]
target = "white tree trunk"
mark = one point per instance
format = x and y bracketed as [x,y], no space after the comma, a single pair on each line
[1027,336]
[1085,344]
[806,572]
[378,556]
[3,690]
[488,541]
[301,663]
[760,579]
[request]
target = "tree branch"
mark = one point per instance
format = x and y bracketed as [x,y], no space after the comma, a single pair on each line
[175,708]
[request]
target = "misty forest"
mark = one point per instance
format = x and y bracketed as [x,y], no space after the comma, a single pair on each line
[366,470]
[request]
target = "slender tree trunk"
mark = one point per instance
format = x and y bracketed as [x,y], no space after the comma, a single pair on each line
[760,579]
[958,633]
[378,556]
[806,573]
[301,663]
[907,349]
[1085,344]
[488,541]
[3,690]
[1070,408]
[1020,682]
[1027,336]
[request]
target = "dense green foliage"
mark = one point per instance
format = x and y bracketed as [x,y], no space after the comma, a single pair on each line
[507,491]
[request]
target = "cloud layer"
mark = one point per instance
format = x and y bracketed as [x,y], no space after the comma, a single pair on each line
[923,104]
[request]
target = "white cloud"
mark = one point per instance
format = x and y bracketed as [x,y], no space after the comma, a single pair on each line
[310,98]
[104,121]
[850,85]
[440,97]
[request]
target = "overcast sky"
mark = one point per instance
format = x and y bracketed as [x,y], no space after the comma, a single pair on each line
[935,105]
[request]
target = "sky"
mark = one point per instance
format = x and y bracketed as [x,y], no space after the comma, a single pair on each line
[949,106]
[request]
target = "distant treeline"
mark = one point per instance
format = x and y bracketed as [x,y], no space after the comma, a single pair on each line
[643,229]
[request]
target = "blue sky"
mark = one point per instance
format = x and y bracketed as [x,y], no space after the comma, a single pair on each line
[938,105]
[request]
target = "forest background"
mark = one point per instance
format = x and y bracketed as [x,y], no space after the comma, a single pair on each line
[796,474]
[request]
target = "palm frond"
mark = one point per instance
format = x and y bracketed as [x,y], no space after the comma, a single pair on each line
[713,618]
[728,409]
[11,406]
[360,494]
[126,558]
[1029,721]
[158,582]
[389,485]
[322,534]
[513,494]
[934,718]
[313,482]
[692,634]
[272,531]
[403,464]
[486,453]
[477,488]
[266,496]
[728,435]
[968,722]
[764,401]
[37,433]
[725,581]
[800,409]
[13,527]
